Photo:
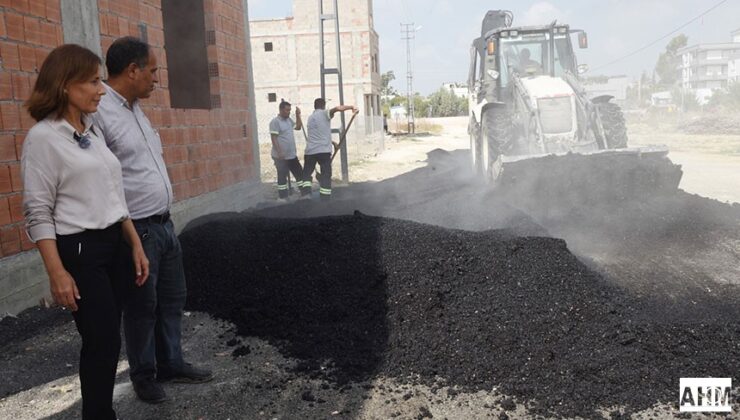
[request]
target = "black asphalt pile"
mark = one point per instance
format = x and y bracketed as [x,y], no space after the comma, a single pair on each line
[577,181]
[354,297]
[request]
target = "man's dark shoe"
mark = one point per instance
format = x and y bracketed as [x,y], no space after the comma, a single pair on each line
[148,390]
[188,374]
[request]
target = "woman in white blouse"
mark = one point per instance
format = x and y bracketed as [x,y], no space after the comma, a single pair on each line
[76,214]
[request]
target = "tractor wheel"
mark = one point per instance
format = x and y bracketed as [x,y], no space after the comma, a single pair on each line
[476,156]
[496,131]
[615,128]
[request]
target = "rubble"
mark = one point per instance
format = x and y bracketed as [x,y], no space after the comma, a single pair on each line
[712,124]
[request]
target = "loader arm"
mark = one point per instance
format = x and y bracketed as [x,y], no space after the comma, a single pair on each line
[521,94]
[590,112]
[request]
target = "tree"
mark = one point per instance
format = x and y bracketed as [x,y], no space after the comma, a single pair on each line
[421,106]
[386,90]
[444,103]
[668,66]
[728,99]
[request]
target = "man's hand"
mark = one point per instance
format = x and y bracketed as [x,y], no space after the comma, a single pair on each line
[141,264]
[297,112]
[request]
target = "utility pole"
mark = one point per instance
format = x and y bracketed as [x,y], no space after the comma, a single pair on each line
[409,31]
[338,72]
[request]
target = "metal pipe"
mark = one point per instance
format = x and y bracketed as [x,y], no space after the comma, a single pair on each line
[321,48]
[343,149]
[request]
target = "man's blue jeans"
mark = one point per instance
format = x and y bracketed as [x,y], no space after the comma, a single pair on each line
[153,313]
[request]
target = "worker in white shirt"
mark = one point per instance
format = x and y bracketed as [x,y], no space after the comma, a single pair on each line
[319,147]
[284,149]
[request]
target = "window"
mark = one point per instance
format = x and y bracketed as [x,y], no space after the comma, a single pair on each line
[714,70]
[268,46]
[272,97]
[513,57]
[187,57]
[714,55]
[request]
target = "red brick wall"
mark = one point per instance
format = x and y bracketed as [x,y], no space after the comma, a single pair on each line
[205,150]
[29,29]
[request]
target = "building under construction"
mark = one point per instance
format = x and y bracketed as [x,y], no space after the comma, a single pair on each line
[287,62]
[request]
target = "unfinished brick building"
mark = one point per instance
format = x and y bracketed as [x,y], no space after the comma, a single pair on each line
[287,62]
[203,109]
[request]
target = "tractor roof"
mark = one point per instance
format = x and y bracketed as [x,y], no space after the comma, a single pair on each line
[530,29]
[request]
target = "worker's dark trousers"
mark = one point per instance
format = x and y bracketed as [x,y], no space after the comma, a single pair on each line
[100,263]
[309,164]
[152,316]
[284,169]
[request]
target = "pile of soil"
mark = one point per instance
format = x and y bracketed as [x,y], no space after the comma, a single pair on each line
[353,297]
[712,124]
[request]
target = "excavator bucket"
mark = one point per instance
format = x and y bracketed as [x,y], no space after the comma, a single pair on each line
[590,178]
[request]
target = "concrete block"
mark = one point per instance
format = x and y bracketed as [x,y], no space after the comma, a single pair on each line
[23,282]
[23,279]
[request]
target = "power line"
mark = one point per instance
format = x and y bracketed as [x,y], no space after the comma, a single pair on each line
[641,49]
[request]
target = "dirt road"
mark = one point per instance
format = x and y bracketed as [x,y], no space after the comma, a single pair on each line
[711,163]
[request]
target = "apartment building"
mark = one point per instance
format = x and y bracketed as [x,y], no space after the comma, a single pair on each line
[710,66]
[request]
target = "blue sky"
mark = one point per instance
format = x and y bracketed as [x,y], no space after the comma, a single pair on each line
[615,28]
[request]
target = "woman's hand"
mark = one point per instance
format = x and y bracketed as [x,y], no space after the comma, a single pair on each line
[64,289]
[62,285]
[141,264]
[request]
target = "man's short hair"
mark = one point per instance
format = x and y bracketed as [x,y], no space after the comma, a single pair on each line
[284,104]
[125,51]
[319,103]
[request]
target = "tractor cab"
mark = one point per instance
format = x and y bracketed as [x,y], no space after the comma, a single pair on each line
[534,53]
[503,52]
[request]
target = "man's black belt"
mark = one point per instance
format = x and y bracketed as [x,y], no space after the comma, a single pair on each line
[157,218]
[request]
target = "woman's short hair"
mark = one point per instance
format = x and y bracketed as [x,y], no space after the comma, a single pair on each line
[69,63]
[125,51]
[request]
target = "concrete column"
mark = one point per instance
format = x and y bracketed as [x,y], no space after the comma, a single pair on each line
[252,107]
[81,25]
